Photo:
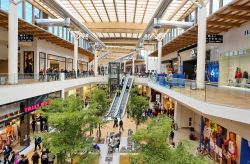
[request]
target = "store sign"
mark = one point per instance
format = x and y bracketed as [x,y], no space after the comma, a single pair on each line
[214,38]
[35,106]
[25,38]
[240,52]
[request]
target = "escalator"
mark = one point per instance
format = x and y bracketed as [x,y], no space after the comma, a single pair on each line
[121,107]
[116,101]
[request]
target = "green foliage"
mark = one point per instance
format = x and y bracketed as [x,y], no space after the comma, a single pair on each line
[137,106]
[153,148]
[99,100]
[70,122]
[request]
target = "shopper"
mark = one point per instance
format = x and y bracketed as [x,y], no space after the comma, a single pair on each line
[12,157]
[33,124]
[6,152]
[41,123]
[51,158]
[44,157]
[115,122]
[35,158]
[171,137]
[24,160]
[38,141]
[121,125]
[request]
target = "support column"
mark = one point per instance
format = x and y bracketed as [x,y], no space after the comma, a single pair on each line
[12,44]
[124,66]
[177,113]
[75,54]
[146,62]
[159,56]
[133,66]
[96,63]
[201,47]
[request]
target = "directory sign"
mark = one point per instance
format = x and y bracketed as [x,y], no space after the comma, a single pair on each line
[25,38]
[214,38]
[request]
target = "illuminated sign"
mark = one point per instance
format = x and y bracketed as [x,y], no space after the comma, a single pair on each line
[35,106]
[25,38]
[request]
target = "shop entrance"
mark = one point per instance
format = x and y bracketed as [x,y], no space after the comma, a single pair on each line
[189,69]
[54,64]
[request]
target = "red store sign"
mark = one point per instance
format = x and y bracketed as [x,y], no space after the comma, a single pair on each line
[34,107]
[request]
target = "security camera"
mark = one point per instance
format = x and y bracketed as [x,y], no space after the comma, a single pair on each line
[157,23]
[67,23]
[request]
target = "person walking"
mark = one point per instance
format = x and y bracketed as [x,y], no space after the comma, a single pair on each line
[171,137]
[44,158]
[33,124]
[35,158]
[51,158]
[6,152]
[24,160]
[12,157]
[121,125]
[115,122]
[38,141]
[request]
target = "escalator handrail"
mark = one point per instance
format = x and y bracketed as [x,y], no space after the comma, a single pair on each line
[111,105]
[121,95]
[123,111]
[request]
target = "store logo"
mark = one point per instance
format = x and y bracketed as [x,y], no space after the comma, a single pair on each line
[247,32]
[34,107]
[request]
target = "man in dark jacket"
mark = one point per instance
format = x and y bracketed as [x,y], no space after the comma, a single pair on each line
[38,141]
[35,158]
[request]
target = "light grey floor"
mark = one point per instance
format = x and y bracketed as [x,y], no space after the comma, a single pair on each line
[116,155]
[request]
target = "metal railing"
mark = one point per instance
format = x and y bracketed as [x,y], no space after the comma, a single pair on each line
[27,78]
[226,94]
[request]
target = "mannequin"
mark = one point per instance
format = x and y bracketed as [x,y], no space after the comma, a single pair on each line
[238,76]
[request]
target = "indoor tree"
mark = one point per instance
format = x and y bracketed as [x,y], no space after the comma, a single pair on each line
[137,107]
[153,147]
[99,105]
[69,121]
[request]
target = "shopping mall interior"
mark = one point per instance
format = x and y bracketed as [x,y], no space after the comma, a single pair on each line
[125,81]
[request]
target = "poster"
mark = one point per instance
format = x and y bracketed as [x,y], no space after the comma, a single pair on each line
[29,62]
[218,143]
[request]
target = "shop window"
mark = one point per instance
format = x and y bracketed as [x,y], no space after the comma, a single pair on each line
[69,64]
[216,5]
[5,5]
[28,11]
[56,62]
[20,10]
[225,2]
[42,61]
[37,13]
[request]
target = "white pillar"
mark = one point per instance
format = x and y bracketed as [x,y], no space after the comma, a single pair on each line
[12,44]
[133,66]
[124,66]
[201,47]
[96,63]
[75,54]
[177,113]
[146,62]
[159,56]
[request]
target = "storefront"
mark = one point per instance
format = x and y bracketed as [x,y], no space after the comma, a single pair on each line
[223,145]
[169,106]
[15,120]
[235,67]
